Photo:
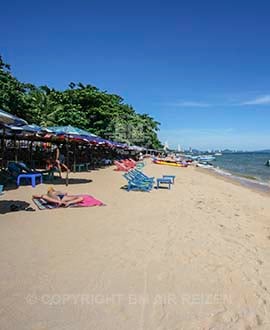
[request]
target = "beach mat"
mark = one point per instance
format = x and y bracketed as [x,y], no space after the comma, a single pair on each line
[88,201]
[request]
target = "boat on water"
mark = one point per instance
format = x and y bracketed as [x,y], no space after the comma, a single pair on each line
[267,163]
[218,154]
[191,157]
[203,158]
[206,158]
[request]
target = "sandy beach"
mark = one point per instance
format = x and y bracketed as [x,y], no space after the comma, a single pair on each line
[193,257]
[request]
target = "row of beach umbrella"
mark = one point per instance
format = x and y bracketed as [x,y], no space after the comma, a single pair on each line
[9,122]
[19,126]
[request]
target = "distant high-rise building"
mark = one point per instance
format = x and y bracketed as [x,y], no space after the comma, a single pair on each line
[166,145]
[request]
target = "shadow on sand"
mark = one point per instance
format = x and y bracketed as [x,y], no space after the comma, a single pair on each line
[58,181]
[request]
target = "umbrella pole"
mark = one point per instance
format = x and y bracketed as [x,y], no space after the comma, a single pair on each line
[31,155]
[67,148]
[74,157]
[16,150]
[3,147]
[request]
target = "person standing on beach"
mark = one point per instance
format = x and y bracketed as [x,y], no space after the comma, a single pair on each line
[60,161]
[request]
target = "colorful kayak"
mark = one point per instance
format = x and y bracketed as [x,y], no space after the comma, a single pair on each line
[170,163]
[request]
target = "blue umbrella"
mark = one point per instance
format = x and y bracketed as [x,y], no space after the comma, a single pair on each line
[8,119]
[70,130]
[25,128]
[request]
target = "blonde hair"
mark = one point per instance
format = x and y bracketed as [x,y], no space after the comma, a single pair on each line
[50,189]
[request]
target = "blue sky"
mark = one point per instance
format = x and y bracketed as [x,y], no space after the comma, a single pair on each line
[201,68]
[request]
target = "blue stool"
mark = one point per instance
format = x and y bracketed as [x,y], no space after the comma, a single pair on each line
[32,176]
[172,177]
[163,180]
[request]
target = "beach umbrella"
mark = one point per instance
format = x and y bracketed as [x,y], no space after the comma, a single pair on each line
[76,133]
[9,119]
[33,128]
[24,129]
[6,119]
[99,140]
[70,130]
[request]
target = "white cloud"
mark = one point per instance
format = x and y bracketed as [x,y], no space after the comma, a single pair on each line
[262,100]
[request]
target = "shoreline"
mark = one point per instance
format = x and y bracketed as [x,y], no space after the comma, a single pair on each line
[252,184]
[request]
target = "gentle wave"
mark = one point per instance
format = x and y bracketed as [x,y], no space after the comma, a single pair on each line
[253,183]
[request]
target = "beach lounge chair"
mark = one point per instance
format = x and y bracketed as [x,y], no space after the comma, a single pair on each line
[128,163]
[140,165]
[121,166]
[130,175]
[135,184]
[140,176]
[132,161]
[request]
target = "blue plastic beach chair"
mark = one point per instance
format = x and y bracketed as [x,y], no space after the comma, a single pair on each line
[137,184]
[140,175]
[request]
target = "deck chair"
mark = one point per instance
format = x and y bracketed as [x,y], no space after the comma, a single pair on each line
[140,165]
[137,184]
[120,166]
[132,161]
[140,175]
[128,163]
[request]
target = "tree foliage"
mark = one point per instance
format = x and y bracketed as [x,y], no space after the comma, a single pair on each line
[83,106]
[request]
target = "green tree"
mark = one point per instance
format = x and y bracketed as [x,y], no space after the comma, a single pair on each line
[80,105]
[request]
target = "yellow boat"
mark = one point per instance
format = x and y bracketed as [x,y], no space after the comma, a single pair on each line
[164,162]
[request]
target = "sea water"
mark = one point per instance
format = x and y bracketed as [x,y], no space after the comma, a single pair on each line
[248,167]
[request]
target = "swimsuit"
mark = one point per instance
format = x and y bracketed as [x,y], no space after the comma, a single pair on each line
[61,196]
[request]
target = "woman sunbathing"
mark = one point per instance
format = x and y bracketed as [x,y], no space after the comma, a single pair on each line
[57,197]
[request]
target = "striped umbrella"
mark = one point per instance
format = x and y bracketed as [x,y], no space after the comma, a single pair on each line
[8,119]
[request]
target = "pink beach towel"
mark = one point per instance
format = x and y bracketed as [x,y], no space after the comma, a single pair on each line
[89,201]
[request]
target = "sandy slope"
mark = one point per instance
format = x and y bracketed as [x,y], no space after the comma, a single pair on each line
[195,257]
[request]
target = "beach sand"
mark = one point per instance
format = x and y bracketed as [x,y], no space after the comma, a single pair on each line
[193,257]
